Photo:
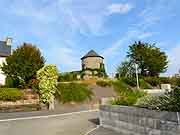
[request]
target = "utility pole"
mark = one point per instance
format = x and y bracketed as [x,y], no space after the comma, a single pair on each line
[137,78]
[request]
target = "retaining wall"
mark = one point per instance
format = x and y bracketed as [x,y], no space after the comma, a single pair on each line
[139,121]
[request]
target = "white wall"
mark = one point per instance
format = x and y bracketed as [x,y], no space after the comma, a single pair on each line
[2,76]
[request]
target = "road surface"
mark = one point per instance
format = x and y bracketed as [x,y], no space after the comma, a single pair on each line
[59,124]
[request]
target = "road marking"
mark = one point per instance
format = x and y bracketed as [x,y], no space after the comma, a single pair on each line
[91,130]
[47,116]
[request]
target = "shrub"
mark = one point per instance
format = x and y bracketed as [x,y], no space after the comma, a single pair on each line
[127,101]
[130,81]
[171,101]
[144,85]
[153,81]
[67,77]
[149,102]
[47,77]
[11,83]
[73,92]
[34,84]
[10,94]
[175,81]
[104,83]
[128,96]
[164,80]
[168,102]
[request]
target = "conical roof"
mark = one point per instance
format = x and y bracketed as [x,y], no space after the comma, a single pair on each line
[91,53]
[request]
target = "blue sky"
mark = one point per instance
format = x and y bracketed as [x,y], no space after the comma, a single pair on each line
[65,30]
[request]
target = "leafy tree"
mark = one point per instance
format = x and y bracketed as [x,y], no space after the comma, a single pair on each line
[150,59]
[48,78]
[23,64]
[126,69]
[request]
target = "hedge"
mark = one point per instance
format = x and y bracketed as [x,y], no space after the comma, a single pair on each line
[73,92]
[10,94]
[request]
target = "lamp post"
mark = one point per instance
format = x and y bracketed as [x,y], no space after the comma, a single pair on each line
[137,78]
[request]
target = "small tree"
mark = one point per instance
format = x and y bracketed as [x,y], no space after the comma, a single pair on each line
[23,64]
[48,76]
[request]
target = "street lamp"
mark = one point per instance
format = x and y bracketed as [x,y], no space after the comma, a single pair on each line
[137,78]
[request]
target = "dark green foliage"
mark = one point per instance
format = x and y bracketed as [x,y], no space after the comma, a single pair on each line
[10,94]
[171,101]
[103,83]
[149,102]
[67,77]
[34,84]
[73,92]
[175,81]
[127,101]
[23,64]
[11,83]
[128,96]
[130,81]
[150,59]
[164,80]
[96,72]
[168,102]
[153,81]
[144,85]
[126,69]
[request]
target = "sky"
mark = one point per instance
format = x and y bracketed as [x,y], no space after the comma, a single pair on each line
[65,30]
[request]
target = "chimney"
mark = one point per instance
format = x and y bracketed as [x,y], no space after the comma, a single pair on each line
[8,41]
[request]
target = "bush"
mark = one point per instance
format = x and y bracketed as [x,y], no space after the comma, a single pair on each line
[175,81]
[128,96]
[149,102]
[47,77]
[153,81]
[11,83]
[168,102]
[73,92]
[130,81]
[10,94]
[127,101]
[34,84]
[144,85]
[67,77]
[104,83]
[164,80]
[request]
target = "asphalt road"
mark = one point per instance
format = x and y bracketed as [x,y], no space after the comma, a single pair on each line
[71,124]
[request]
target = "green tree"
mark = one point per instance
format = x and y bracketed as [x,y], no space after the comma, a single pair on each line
[150,59]
[23,64]
[48,78]
[126,69]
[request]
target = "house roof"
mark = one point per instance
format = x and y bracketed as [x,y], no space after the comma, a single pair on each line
[5,50]
[91,53]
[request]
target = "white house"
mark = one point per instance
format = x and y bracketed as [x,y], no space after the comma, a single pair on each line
[5,51]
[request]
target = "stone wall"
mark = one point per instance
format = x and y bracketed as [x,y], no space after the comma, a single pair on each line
[139,121]
[92,62]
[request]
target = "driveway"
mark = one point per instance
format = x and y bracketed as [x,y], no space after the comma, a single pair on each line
[59,124]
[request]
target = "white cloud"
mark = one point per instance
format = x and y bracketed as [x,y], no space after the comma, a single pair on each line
[65,57]
[149,16]
[119,8]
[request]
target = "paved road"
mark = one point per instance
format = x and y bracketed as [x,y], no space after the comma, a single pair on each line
[75,124]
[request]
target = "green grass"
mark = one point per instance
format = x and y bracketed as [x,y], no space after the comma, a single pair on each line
[73,92]
[10,94]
